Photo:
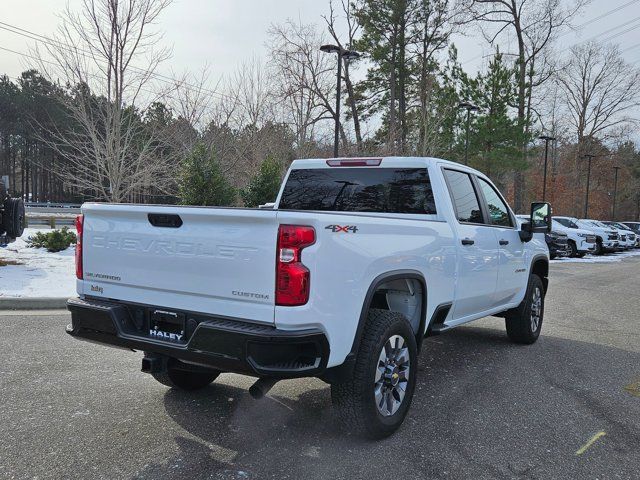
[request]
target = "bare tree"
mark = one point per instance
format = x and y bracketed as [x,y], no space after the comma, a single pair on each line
[306,77]
[534,24]
[352,31]
[601,90]
[106,53]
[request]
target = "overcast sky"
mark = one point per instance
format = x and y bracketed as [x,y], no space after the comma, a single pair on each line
[223,33]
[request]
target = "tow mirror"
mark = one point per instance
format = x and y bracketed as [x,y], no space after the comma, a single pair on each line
[540,219]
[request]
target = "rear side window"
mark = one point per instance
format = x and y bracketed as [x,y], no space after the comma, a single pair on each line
[465,199]
[384,190]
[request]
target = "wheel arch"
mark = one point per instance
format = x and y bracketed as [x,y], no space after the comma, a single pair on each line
[540,267]
[344,371]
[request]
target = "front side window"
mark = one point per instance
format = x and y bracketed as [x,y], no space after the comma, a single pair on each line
[498,211]
[465,199]
[357,189]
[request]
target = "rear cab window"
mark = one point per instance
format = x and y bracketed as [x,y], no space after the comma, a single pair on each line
[359,189]
[464,196]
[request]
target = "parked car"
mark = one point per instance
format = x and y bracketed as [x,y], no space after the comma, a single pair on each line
[580,241]
[11,215]
[631,236]
[623,241]
[606,238]
[342,279]
[635,226]
[557,242]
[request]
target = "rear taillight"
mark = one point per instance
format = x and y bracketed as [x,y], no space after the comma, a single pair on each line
[79,227]
[292,277]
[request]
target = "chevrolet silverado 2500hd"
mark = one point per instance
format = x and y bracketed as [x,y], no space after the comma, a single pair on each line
[341,279]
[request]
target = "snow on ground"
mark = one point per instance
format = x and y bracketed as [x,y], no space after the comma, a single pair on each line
[608,258]
[42,273]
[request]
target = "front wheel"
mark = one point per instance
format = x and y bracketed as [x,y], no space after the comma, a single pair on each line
[573,249]
[525,321]
[599,250]
[374,402]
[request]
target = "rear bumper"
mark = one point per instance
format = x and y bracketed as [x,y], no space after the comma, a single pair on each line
[228,345]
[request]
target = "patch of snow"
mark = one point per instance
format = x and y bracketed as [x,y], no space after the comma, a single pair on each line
[607,258]
[42,273]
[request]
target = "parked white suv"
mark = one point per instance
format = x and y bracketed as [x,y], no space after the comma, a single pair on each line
[581,241]
[358,260]
[606,238]
[635,227]
[630,240]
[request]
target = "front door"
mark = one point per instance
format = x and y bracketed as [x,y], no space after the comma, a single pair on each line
[512,268]
[477,264]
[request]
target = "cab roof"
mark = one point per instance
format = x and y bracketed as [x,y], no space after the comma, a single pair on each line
[388,162]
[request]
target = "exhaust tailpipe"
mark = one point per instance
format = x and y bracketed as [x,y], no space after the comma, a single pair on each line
[262,387]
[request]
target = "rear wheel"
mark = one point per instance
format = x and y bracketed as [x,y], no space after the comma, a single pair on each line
[374,402]
[181,377]
[524,322]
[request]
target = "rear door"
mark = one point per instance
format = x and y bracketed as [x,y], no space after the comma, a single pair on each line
[477,264]
[512,268]
[210,260]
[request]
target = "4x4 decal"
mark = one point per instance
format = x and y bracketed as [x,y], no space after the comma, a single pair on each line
[342,228]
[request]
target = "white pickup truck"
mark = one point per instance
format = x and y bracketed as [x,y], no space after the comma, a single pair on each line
[358,260]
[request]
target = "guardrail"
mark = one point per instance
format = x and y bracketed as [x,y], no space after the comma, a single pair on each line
[51,221]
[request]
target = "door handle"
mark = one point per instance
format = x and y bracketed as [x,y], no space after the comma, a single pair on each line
[504,242]
[467,241]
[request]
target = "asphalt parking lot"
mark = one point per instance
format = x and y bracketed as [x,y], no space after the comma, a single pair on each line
[566,407]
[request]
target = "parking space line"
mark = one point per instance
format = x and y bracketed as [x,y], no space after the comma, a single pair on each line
[591,441]
[633,388]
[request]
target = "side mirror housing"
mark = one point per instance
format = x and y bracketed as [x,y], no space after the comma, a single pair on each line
[540,219]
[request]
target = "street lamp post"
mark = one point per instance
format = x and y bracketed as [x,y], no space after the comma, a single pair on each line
[615,193]
[546,139]
[348,55]
[586,198]
[469,107]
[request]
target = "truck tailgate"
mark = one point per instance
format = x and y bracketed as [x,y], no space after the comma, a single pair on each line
[218,260]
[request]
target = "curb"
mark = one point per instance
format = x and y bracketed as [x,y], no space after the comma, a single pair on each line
[35,303]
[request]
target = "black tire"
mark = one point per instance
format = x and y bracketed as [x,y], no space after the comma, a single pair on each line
[580,254]
[183,379]
[599,250]
[355,400]
[520,324]
[13,217]
[573,249]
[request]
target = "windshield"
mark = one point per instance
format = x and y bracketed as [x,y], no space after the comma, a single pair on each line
[566,222]
[621,226]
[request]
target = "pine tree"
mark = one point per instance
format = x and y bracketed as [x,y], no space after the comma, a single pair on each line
[202,181]
[264,185]
[494,137]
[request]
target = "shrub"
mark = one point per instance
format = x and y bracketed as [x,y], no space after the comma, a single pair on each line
[202,181]
[263,186]
[54,241]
